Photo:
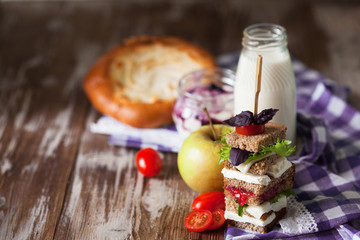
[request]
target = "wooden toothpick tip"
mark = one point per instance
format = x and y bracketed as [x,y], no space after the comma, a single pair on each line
[258,83]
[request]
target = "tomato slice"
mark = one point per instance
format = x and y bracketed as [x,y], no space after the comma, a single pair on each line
[209,201]
[218,219]
[198,221]
[148,162]
[239,194]
[251,129]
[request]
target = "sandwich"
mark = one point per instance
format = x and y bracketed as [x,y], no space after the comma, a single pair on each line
[258,178]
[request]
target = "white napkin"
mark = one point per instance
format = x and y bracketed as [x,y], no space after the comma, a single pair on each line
[164,139]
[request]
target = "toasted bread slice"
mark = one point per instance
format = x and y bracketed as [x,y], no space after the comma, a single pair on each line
[253,143]
[259,168]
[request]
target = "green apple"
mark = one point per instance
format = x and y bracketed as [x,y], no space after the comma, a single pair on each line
[198,159]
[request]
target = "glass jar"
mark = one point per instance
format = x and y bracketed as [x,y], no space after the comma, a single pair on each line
[278,89]
[211,88]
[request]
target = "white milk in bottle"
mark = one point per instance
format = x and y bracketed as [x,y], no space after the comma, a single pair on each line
[278,89]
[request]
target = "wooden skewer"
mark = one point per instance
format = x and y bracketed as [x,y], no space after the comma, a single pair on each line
[210,123]
[258,83]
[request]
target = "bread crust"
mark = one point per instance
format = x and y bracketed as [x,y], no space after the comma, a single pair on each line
[100,89]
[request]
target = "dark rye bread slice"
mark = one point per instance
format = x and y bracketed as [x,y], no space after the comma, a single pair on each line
[253,143]
[259,168]
[277,185]
[259,229]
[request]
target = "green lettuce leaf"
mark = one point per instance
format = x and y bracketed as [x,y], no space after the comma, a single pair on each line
[224,150]
[286,193]
[281,147]
[241,209]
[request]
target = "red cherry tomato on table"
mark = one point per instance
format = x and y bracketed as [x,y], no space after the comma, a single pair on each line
[218,219]
[251,129]
[209,201]
[198,221]
[148,162]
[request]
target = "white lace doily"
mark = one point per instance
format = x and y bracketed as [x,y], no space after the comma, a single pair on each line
[298,220]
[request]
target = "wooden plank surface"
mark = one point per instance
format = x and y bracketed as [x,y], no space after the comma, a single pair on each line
[58,180]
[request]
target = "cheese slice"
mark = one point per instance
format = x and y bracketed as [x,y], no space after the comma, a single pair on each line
[248,177]
[248,219]
[259,210]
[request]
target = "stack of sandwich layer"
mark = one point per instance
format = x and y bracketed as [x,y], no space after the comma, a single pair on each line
[253,190]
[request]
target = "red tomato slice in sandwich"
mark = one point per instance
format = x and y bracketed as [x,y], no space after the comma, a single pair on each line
[250,129]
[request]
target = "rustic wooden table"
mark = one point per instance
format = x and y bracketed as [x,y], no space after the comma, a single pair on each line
[58,180]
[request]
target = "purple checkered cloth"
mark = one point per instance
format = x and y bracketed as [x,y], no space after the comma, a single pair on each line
[327,179]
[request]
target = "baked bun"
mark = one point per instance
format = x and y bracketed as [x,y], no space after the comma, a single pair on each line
[137,82]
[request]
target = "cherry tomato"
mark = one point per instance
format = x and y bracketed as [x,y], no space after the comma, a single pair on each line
[198,221]
[148,162]
[251,129]
[218,219]
[209,201]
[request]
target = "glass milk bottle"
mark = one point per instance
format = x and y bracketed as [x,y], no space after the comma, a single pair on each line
[278,89]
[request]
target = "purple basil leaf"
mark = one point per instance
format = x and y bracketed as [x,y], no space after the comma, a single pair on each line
[238,156]
[265,116]
[242,119]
